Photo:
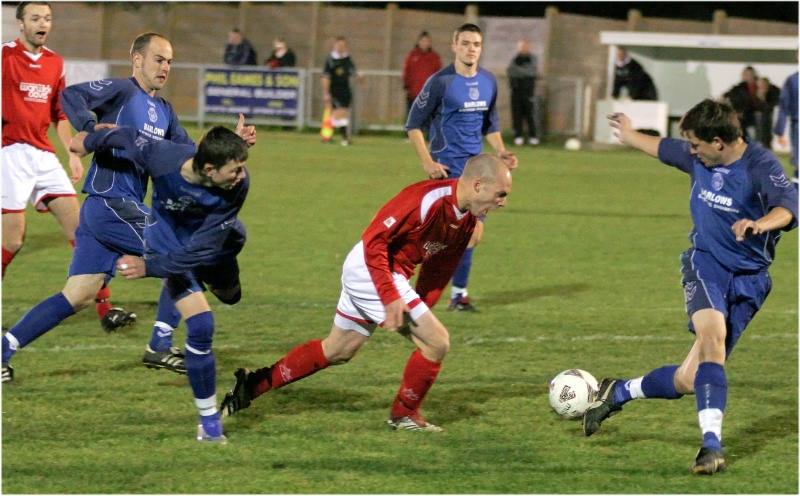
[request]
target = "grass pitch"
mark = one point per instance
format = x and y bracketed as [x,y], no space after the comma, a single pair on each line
[580,270]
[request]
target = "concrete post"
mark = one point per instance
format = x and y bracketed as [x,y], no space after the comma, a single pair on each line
[720,22]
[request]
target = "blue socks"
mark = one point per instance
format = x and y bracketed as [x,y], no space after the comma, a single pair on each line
[167,319]
[39,319]
[711,393]
[461,277]
[660,383]
[657,384]
[200,364]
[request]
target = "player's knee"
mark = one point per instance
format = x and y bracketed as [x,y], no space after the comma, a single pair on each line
[436,349]
[200,332]
[13,244]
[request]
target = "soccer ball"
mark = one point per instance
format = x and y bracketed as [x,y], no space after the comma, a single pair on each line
[571,393]
[572,144]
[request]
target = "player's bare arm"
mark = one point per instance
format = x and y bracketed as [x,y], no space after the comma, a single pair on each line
[65,136]
[508,158]
[777,218]
[627,135]
[131,267]
[394,314]
[433,169]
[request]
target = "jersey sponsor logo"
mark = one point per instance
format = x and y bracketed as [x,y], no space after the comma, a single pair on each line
[183,204]
[453,226]
[34,66]
[36,92]
[479,105]
[780,181]
[389,222]
[153,131]
[714,199]
[432,248]
[717,182]
[474,94]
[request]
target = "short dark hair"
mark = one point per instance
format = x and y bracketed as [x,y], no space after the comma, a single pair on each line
[711,119]
[22,5]
[467,28]
[218,146]
[142,41]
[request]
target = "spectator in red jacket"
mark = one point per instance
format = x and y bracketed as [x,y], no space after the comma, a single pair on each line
[421,63]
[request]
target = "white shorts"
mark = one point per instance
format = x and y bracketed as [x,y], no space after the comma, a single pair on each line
[31,175]
[360,308]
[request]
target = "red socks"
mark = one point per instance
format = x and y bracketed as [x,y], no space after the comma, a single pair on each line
[301,362]
[7,258]
[418,378]
[102,305]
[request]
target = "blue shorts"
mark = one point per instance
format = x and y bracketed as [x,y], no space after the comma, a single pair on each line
[222,276]
[108,228]
[738,295]
[455,165]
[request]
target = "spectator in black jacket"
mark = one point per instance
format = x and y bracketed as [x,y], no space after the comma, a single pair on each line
[522,79]
[239,51]
[630,75]
[281,56]
[743,99]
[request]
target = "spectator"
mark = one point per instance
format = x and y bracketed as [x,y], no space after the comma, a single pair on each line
[788,109]
[422,62]
[743,99]
[629,74]
[336,92]
[281,56]
[239,51]
[768,96]
[522,79]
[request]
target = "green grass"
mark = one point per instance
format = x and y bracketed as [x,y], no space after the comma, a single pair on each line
[580,270]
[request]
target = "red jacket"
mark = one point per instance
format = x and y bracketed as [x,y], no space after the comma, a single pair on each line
[419,67]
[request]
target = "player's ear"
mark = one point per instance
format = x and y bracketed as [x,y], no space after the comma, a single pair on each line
[208,169]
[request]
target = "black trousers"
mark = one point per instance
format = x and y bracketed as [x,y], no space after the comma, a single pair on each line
[522,113]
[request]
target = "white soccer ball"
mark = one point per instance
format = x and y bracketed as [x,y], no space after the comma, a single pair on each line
[572,144]
[571,393]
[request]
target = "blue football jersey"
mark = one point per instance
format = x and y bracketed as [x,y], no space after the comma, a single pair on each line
[189,225]
[746,189]
[459,110]
[124,103]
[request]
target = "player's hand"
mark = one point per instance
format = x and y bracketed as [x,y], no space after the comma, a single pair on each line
[104,125]
[782,141]
[509,159]
[76,167]
[622,125]
[394,314]
[744,228]
[435,170]
[247,133]
[131,267]
[76,147]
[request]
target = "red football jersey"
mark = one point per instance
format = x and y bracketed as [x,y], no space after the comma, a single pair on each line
[421,225]
[31,88]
